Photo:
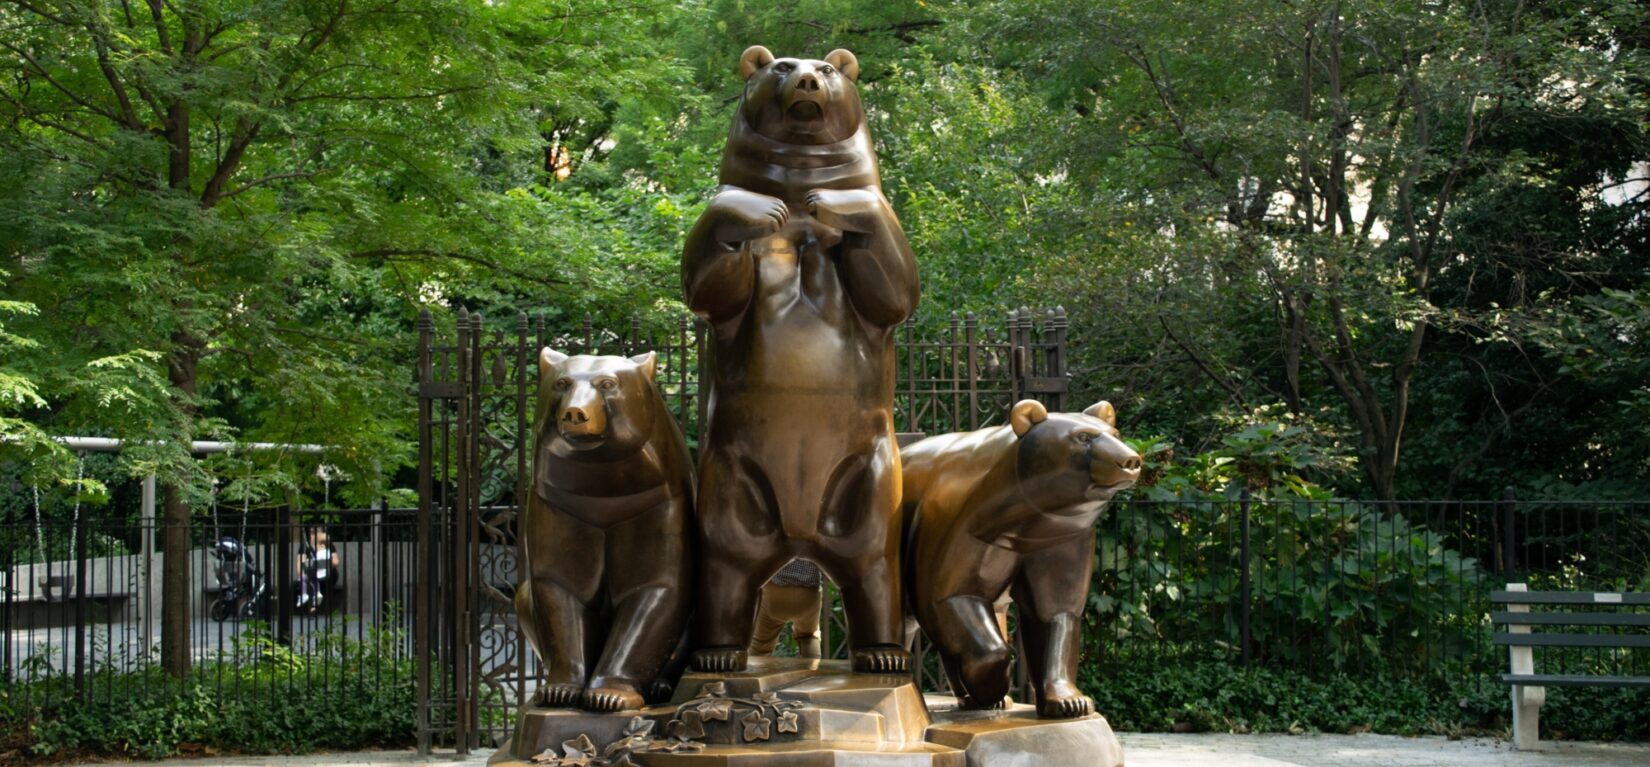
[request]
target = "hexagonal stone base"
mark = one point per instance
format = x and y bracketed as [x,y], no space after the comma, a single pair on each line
[1015,736]
[803,713]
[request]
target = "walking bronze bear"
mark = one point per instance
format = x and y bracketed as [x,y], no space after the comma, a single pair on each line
[608,529]
[1011,507]
[802,271]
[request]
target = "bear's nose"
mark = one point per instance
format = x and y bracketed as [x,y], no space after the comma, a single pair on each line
[1117,454]
[574,415]
[807,82]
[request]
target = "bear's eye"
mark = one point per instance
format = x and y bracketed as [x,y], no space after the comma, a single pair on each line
[783,67]
[827,70]
[1085,437]
[607,384]
[563,383]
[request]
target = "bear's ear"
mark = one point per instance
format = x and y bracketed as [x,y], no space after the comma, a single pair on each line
[1026,413]
[754,58]
[1103,411]
[845,62]
[548,360]
[649,363]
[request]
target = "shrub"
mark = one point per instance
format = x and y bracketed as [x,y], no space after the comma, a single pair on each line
[1218,696]
[262,697]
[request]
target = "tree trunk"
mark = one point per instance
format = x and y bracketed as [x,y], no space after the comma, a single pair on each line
[176,591]
[175,618]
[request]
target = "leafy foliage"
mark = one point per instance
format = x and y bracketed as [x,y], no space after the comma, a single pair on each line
[259,700]
[1155,697]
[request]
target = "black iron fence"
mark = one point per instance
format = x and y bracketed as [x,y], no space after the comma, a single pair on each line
[80,615]
[1339,586]
[1320,586]
[1315,586]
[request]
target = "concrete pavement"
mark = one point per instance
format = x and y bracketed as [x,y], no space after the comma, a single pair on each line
[1156,750]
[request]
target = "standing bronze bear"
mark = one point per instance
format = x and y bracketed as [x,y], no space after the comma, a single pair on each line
[608,529]
[1011,508]
[802,271]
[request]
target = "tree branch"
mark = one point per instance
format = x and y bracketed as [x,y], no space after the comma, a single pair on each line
[1225,383]
[40,70]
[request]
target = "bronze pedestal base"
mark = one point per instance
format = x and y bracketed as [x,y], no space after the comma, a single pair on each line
[809,713]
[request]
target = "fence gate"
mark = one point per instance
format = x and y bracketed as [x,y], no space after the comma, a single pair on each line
[476,388]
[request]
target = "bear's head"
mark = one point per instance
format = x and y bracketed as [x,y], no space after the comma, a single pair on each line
[801,101]
[589,402]
[1071,461]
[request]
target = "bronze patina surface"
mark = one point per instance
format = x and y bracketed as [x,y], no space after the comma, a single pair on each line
[790,712]
[609,532]
[1011,507]
[802,271]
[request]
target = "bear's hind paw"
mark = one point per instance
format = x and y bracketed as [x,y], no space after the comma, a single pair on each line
[1065,708]
[719,659]
[882,660]
[611,699]
[557,695]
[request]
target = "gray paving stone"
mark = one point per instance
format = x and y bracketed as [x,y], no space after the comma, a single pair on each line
[1155,750]
[1217,750]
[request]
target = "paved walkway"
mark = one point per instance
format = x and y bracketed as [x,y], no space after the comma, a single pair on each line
[1143,750]
[1152,750]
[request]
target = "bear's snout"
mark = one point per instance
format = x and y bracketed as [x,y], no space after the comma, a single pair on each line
[807,82]
[583,417]
[1115,464]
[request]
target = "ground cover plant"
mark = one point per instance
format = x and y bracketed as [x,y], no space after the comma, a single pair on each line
[261,697]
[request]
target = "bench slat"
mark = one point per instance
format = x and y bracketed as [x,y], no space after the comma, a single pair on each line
[1575,680]
[1571,619]
[1570,598]
[1553,639]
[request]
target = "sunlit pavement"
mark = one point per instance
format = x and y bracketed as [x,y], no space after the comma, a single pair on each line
[1156,750]
[1152,750]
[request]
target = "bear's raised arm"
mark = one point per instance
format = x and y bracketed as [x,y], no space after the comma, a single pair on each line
[718,272]
[879,272]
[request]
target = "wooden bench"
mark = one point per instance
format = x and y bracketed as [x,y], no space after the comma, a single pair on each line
[1529,689]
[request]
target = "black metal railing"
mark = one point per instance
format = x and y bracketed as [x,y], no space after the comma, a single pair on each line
[1342,586]
[80,614]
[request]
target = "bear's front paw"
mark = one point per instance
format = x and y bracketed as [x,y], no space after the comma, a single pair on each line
[848,210]
[558,695]
[882,660]
[612,698]
[719,659]
[968,702]
[1060,700]
[741,216]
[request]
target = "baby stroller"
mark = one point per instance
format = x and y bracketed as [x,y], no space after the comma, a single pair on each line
[242,590]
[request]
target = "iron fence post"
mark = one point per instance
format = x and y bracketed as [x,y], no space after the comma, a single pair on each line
[525,368]
[79,533]
[1508,539]
[421,555]
[279,571]
[1243,579]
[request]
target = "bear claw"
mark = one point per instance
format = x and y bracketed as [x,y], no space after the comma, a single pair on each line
[611,699]
[1065,708]
[720,659]
[882,660]
[557,695]
[970,703]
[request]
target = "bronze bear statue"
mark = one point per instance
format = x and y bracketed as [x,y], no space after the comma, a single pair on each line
[1011,508]
[802,271]
[608,532]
